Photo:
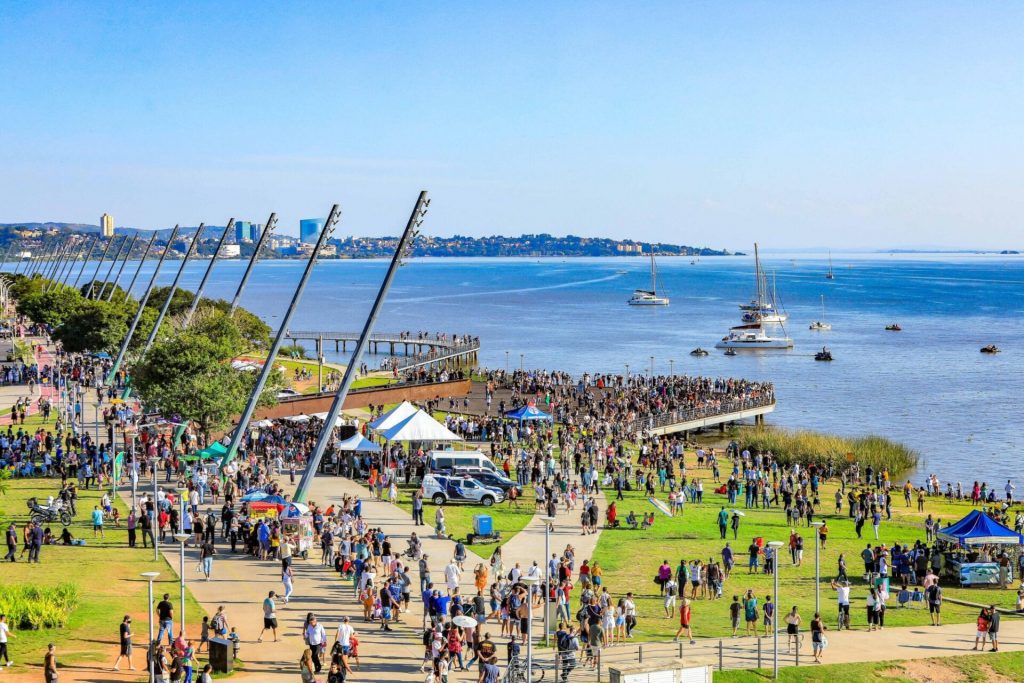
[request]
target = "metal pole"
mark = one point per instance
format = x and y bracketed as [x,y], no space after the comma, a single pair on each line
[99,264]
[58,263]
[142,306]
[33,262]
[7,252]
[775,615]
[275,347]
[149,647]
[142,261]
[817,566]
[271,224]
[62,273]
[44,267]
[113,262]
[547,580]
[327,431]
[88,256]
[174,288]
[206,275]
[37,263]
[155,527]
[120,269]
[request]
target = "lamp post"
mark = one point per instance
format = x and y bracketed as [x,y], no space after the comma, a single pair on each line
[155,526]
[506,362]
[627,370]
[530,582]
[817,565]
[652,367]
[775,546]
[181,537]
[548,521]
[151,660]
[520,362]
[671,367]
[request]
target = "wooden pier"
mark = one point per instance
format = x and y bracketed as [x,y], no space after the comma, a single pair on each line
[702,418]
[407,351]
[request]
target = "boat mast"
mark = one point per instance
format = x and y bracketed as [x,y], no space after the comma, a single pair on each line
[654,274]
[758,276]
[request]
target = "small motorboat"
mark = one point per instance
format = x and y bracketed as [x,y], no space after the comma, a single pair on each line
[730,352]
[991,348]
[824,354]
[894,328]
[698,352]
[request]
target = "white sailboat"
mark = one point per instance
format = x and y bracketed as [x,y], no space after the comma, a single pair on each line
[821,325]
[764,331]
[649,297]
[830,275]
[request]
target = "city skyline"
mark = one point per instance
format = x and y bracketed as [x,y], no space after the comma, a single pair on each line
[792,124]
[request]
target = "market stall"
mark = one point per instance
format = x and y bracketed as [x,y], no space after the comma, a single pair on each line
[297,527]
[972,556]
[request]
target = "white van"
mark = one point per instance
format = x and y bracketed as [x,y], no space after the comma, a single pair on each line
[446,461]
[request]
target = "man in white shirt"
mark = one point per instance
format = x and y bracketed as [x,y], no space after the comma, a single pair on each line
[451,576]
[315,638]
[344,635]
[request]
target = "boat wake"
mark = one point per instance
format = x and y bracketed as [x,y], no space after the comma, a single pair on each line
[518,290]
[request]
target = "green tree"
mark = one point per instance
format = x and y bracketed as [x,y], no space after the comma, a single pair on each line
[189,374]
[95,326]
[51,308]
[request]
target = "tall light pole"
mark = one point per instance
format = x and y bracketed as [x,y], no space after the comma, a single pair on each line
[652,367]
[521,362]
[506,362]
[120,269]
[150,658]
[817,565]
[142,262]
[671,367]
[548,521]
[627,370]
[181,537]
[271,222]
[530,582]
[155,527]
[206,275]
[775,546]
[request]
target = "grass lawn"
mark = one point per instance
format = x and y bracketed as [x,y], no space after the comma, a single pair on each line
[106,572]
[459,517]
[975,668]
[631,559]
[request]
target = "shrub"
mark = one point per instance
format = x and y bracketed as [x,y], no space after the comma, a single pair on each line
[31,607]
[806,447]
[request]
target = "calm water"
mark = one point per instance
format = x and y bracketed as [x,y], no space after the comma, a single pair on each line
[927,385]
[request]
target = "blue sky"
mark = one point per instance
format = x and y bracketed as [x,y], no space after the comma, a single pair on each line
[797,124]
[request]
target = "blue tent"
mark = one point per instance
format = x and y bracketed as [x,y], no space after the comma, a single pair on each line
[528,412]
[978,528]
[262,497]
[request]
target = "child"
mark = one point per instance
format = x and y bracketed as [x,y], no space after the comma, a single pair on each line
[204,635]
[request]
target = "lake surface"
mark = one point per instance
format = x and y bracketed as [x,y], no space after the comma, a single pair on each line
[928,385]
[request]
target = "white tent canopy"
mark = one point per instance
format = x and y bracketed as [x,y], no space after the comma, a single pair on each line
[419,427]
[357,442]
[389,419]
[338,422]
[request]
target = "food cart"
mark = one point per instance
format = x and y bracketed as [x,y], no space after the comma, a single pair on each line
[297,526]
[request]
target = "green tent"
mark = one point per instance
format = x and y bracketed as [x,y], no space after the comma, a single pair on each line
[214,450]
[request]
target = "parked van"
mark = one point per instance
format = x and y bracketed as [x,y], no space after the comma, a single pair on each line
[446,461]
[444,488]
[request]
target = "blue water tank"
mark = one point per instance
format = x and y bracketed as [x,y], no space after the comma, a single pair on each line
[483,525]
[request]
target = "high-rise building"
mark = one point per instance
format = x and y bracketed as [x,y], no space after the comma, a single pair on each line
[246,232]
[107,225]
[309,229]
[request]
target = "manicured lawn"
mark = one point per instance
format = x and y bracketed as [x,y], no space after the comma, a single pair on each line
[107,574]
[631,558]
[974,668]
[459,518]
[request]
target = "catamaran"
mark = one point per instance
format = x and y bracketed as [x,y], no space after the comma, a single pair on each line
[821,325]
[649,297]
[763,308]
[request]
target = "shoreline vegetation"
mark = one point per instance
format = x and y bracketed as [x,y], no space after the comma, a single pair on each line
[806,447]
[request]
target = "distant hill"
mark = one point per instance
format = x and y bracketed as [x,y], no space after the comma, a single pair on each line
[35,235]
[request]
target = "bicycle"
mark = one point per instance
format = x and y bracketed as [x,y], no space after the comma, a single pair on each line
[516,672]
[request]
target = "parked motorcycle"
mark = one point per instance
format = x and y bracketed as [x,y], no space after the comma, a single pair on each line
[42,514]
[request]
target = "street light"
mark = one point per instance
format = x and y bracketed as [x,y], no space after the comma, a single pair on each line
[521,362]
[671,367]
[548,521]
[775,546]
[652,367]
[817,566]
[154,527]
[150,577]
[181,537]
[506,362]
[627,370]
[530,582]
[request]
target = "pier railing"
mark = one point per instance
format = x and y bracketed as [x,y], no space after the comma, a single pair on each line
[690,414]
[434,355]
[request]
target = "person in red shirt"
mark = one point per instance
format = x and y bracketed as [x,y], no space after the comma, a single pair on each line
[684,621]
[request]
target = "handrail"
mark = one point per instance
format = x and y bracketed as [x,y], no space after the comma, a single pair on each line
[689,414]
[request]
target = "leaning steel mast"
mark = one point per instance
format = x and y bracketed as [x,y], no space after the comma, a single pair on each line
[206,275]
[327,431]
[113,262]
[271,223]
[173,289]
[268,365]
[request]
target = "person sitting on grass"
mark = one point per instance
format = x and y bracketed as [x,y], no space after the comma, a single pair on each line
[631,520]
[648,521]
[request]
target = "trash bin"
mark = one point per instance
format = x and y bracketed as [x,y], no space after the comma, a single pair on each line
[221,655]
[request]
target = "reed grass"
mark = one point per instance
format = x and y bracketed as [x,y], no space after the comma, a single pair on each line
[34,607]
[806,447]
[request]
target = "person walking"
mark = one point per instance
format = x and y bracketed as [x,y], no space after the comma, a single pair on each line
[269,617]
[934,594]
[5,633]
[793,629]
[993,624]
[165,617]
[206,553]
[316,638]
[685,618]
[818,641]
[12,542]
[125,638]
[50,664]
